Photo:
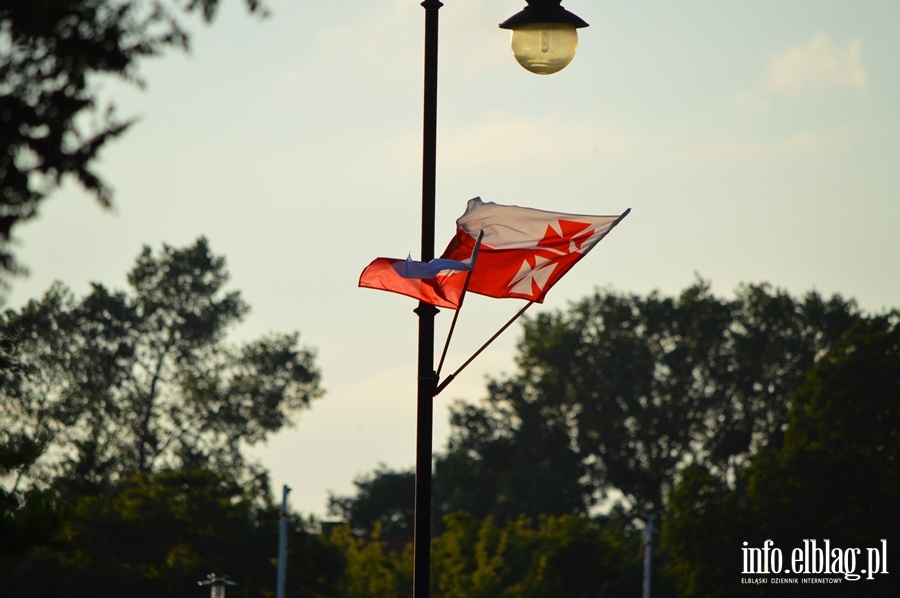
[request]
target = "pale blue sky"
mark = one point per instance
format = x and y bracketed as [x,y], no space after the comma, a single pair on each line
[754,141]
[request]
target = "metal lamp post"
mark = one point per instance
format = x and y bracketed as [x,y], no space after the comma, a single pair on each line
[543,41]
[282,544]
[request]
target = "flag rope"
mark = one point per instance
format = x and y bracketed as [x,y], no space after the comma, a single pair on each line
[462,298]
[450,377]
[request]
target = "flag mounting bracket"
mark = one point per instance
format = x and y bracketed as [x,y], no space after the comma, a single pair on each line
[442,385]
[425,309]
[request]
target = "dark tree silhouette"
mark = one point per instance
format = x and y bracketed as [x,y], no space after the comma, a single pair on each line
[51,54]
[145,380]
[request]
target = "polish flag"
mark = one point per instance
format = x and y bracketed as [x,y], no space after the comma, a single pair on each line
[438,282]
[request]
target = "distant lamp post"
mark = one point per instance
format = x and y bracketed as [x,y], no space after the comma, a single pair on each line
[217,585]
[544,36]
[282,544]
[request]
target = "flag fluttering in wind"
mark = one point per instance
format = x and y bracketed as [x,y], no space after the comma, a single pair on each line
[522,254]
[438,282]
[524,251]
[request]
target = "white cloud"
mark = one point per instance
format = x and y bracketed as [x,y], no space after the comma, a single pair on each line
[812,66]
[499,143]
[371,39]
[817,64]
[518,142]
[804,142]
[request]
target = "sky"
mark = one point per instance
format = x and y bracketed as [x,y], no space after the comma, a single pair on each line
[753,141]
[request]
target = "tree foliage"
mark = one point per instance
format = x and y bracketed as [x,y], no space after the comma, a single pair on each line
[535,558]
[844,425]
[510,459]
[616,394]
[620,391]
[28,518]
[158,534]
[383,499]
[51,54]
[144,380]
[373,568]
[835,477]
[527,558]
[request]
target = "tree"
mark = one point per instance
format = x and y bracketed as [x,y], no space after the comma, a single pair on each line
[158,534]
[502,461]
[637,388]
[703,532]
[51,54]
[144,380]
[844,424]
[548,556]
[28,518]
[372,567]
[383,499]
[834,478]
[487,470]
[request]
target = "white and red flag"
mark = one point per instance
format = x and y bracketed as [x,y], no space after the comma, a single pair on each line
[438,282]
[522,254]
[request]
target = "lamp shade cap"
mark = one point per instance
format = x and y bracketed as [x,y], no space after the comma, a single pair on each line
[543,11]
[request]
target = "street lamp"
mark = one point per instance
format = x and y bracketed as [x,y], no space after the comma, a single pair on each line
[217,585]
[544,36]
[554,28]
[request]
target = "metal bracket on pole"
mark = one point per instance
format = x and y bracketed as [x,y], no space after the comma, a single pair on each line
[462,298]
[450,378]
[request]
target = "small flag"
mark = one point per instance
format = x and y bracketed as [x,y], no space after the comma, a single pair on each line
[523,253]
[432,269]
[438,282]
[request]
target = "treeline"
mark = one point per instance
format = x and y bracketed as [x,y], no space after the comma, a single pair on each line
[726,422]
[125,417]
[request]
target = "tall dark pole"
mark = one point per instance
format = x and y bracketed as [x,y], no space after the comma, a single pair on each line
[648,556]
[281,578]
[426,375]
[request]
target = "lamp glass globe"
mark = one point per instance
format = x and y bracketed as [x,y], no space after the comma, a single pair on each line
[544,48]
